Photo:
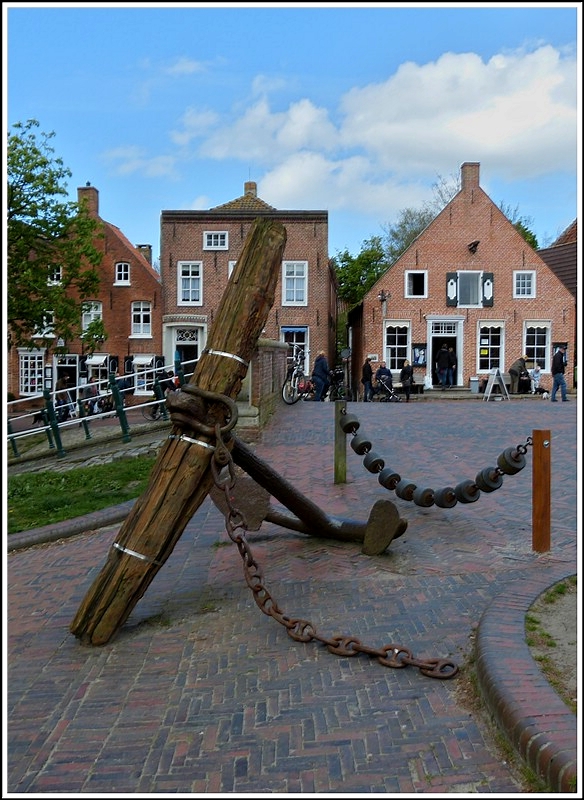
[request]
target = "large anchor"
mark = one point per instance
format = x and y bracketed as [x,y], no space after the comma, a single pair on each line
[257,508]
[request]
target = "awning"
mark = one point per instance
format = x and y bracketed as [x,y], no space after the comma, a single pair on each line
[143,361]
[96,360]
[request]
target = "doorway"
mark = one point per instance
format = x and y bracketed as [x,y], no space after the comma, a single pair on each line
[437,342]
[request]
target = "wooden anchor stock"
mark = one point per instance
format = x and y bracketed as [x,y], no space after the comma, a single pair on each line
[182,477]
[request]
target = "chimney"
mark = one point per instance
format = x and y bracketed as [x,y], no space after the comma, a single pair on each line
[250,189]
[469,175]
[91,196]
[146,250]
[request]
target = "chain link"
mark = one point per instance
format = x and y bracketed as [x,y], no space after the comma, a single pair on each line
[301,630]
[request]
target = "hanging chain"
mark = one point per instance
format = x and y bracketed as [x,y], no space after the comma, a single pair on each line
[301,630]
[510,462]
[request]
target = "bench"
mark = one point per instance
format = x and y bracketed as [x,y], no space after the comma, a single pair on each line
[415,388]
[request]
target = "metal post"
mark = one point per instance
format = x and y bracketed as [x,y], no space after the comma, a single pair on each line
[541,491]
[13,440]
[340,443]
[54,425]
[160,396]
[119,406]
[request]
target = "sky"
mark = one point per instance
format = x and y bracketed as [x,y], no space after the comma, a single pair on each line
[355,110]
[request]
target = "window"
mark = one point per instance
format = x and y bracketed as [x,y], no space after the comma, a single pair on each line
[296,336]
[523,284]
[141,318]
[215,240]
[490,347]
[230,268]
[472,289]
[190,275]
[396,346]
[416,283]
[537,343]
[294,283]
[46,330]
[31,373]
[55,275]
[122,272]
[92,311]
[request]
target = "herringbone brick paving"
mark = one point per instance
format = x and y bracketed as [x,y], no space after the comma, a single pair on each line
[201,693]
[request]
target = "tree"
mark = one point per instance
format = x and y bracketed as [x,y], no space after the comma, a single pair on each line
[521,224]
[51,251]
[357,274]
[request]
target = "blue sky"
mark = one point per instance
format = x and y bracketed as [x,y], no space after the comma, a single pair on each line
[357,110]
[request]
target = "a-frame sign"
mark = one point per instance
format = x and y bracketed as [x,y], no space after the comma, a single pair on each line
[496,379]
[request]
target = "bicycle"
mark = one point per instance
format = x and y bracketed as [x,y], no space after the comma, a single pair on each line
[296,385]
[152,413]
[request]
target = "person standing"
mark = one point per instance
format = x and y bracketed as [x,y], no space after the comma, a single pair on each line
[406,377]
[516,370]
[452,364]
[443,365]
[558,368]
[366,380]
[320,376]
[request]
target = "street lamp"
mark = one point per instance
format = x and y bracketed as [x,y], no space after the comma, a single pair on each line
[383,296]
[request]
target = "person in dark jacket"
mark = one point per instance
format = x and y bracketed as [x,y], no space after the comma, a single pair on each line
[517,370]
[366,380]
[320,375]
[558,368]
[453,362]
[442,365]
[406,377]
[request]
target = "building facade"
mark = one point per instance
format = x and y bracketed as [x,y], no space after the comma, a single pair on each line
[129,304]
[469,280]
[199,250]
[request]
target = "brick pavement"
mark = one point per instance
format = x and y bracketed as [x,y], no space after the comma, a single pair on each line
[201,693]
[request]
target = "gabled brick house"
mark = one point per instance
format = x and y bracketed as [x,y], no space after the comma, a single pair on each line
[469,280]
[198,252]
[129,303]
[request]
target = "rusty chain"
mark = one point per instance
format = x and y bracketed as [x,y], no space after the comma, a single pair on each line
[509,462]
[301,630]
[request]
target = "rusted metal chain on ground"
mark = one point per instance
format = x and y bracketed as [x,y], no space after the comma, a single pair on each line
[301,630]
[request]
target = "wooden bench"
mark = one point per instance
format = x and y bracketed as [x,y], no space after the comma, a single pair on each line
[415,388]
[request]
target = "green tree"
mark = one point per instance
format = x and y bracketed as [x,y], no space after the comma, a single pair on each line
[521,224]
[357,274]
[51,251]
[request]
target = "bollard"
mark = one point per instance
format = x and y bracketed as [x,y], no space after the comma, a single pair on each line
[340,443]
[160,396]
[541,491]
[119,406]
[53,423]
[13,440]
[82,415]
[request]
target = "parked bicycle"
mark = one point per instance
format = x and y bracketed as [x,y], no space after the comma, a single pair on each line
[296,384]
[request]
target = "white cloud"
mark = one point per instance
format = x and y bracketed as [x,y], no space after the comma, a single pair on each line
[195,123]
[132,160]
[184,66]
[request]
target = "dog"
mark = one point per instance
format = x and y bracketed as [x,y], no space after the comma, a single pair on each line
[40,418]
[545,395]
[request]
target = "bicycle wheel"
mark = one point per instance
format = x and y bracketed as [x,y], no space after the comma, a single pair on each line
[290,393]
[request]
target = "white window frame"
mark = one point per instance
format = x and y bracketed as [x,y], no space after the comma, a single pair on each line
[141,329]
[531,349]
[92,311]
[122,273]
[297,281]
[519,275]
[497,324]
[407,275]
[47,331]
[230,268]
[55,277]
[31,372]
[215,240]
[395,353]
[478,277]
[196,275]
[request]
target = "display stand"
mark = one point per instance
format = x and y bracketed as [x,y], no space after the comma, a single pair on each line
[496,379]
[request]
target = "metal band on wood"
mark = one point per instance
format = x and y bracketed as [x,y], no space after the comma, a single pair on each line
[185,438]
[227,355]
[135,554]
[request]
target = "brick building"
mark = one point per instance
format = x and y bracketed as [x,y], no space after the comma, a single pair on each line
[198,252]
[469,280]
[129,303]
